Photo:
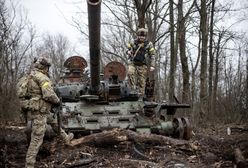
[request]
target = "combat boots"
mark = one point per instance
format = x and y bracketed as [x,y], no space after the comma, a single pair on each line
[66,137]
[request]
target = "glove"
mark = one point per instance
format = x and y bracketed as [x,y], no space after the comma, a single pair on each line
[129,53]
[55,105]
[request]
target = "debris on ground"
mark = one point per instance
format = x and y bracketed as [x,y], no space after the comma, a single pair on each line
[124,148]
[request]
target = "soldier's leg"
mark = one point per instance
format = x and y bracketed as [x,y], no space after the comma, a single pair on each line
[52,120]
[142,72]
[131,76]
[37,135]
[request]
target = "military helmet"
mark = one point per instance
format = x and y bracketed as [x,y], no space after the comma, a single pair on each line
[42,62]
[142,32]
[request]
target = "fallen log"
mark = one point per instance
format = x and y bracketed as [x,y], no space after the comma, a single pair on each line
[116,136]
[153,138]
[102,138]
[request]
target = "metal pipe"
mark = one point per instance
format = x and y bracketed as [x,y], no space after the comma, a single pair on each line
[94,24]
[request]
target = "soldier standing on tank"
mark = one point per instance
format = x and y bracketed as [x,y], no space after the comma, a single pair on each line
[141,56]
[42,99]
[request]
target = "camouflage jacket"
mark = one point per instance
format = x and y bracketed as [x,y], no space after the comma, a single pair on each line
[41,91]
[142,52]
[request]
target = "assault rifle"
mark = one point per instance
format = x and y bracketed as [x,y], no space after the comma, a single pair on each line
[56,112]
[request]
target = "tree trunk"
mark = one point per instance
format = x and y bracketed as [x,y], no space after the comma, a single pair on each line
[246,88]
[173,55]
[211,58]
[216,77]
[204,54]
[182,48]
[142,7]
[194,68]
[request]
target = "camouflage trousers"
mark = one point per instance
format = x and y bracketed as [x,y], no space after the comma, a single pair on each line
[38,131]
[137,77]
[39,124]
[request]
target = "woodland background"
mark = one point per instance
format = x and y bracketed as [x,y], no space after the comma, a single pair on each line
[201,45]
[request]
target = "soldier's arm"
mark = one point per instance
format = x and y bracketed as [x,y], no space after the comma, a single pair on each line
[48,93]
[151,53]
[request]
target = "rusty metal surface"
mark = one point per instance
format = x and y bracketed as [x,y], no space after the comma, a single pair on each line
[115,68]
[187,128]
[75,70]
[75,62]
[179,128]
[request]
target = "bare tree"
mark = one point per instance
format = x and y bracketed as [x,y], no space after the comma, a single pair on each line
[246,83]
[181,31]
[211,57]
[57,47]
[204,54]
[13,54]
[141,7]
[173,57]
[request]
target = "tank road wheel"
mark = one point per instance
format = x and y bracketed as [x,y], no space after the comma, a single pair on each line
[187,128]
[178,128]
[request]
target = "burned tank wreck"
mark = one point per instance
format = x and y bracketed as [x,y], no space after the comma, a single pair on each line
[92,102]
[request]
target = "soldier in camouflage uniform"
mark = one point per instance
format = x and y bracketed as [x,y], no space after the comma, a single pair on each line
[42,99]
[141,55]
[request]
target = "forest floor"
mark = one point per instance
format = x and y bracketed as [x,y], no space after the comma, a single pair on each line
[209,147]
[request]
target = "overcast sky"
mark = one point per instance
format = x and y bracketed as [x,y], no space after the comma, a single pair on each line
[53,16]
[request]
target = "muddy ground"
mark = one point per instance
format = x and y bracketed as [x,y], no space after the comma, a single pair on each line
[209,147]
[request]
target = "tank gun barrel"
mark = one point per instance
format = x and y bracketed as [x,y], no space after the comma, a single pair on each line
[94,25]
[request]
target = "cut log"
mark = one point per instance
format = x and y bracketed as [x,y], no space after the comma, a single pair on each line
[153,139]
[102,138]
[116,136]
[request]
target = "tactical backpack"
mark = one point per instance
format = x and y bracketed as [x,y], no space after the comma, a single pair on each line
[22,87]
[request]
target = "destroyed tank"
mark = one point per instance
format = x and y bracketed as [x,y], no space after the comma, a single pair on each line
[93,102]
